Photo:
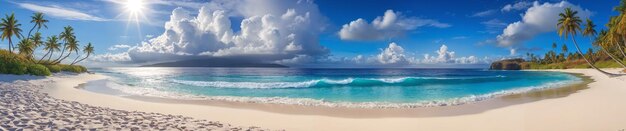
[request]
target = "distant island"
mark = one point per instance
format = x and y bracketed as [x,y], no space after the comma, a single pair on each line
[216,62]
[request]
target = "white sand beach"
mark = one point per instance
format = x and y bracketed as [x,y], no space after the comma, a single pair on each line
[599,107]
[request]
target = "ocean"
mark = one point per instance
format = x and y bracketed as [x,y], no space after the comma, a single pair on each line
[327,87]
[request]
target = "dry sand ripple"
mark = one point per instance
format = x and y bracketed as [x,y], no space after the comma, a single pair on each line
[22,106]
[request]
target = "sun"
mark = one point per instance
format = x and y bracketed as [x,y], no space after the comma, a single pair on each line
[134,8]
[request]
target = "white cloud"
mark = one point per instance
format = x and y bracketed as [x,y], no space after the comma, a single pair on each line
[539,18]
[391,24]
[393,54]
[483,13]
[60,12]
[517,6]
[443,56]
[513,51]
[446,56]
[272,30]
[119,46]
[108,57]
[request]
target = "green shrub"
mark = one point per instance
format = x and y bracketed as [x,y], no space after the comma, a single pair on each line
[54,68]
[12,64]
[38,70]
[73,68]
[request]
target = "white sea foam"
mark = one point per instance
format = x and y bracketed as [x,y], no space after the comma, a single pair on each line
[316,102]
[310,83]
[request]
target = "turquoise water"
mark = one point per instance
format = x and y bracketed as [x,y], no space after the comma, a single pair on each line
[330,85]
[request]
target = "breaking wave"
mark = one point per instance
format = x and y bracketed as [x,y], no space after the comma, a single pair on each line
[402,81]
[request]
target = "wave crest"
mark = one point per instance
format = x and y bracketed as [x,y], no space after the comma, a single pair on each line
[402,81]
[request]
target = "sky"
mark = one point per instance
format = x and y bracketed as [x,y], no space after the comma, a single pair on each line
[308,33]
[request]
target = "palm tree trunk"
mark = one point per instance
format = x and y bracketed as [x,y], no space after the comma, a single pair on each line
[83,58]
[44,56]
[31,30]
[612,57]
[620,49]
[50,56]
[68,54]
[592,66]
[62,52]
[10,45]
[74,61]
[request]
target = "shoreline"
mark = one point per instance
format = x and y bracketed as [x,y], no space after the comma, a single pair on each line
[464,116]
[105,86]
[470,107]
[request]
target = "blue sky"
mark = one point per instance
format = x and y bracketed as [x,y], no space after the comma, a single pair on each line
[473,32]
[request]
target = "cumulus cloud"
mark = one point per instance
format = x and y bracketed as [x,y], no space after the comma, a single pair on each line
[60,12]
[119,46]
[271,30]
[517,6]
[393,54]
[539,18]
[446,56]
[391,24]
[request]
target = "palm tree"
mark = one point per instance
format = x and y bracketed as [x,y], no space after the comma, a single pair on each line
[72,45]
[563,50]
[88,49]
[612,36]
[621,25]
[569,26]
[52,44]
[10,28]
[39,21]
[601,42]
[66,35]
[590,55]
[26,48]
[590,32]
[36,39]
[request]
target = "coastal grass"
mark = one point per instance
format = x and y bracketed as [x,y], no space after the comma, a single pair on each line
[18,64]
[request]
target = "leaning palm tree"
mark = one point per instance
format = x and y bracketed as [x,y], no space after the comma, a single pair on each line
[26,48]
[88,49]
[10,28]
[621,25]
[590,32]
[602,43]
[39,21]
[36,39]
[568,27]
[72,45]
[613,36]
[52,44]
[66,36]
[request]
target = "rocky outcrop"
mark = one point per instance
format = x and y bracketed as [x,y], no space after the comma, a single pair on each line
[509,64]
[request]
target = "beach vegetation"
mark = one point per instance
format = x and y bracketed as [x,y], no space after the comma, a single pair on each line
[22,59]
[608,45]
[54,68]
